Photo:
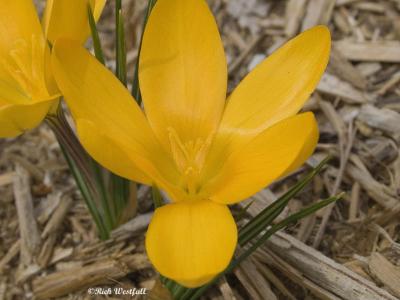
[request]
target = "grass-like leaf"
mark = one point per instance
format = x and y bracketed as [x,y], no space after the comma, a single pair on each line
[259,226]
[135,84]
[157,197]
[80,166]
[193,294]
[120,48]
[98,52]
[113,190]
[267,215]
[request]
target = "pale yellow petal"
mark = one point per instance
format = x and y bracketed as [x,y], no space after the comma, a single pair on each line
[15,119]
[69,18]
[12,94]
[271,154]
[94,94]
[182,71]
[18,21]
[105,150]
[278,87]
[22,50]
[191,241]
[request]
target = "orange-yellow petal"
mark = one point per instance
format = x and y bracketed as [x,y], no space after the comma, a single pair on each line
[191,241]
[69,18]
[17,118]
[271,154]
[182,71]
[10,93]
[22,50]
[94,94]
[278,87]
[18,21]
[104,149]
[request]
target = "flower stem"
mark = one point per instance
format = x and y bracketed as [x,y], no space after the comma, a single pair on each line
[89,176]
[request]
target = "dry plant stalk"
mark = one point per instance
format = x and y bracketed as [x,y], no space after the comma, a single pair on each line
[100,272]
[29,232]
[328,275]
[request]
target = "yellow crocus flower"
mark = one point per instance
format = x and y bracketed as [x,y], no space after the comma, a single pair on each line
[27,89]
[203,151]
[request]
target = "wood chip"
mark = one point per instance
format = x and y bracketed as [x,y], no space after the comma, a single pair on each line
[64,282]
[58,217]
[29,232]
[334,86]
[237,62]
[385,51]
[295,10]
[253,281]
[377,191]
[385,272]
[354,202]
[345,2]
[383,119]
[341,67]
[11,253]
[226,289]
[134,226]
[47,206]
[318,12]
[369,68]
[323,271]
[32,169]
[275,281]
[6,179]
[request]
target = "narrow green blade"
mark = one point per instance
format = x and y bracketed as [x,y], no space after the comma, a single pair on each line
[98,51]
[135,84]
[194,294]
[267,215]
[120,48]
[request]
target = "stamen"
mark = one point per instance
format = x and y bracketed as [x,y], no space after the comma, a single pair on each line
[178,150]
[25,65]
[189,158]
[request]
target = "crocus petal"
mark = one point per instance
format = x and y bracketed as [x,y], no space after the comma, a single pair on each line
[17,118]
[278,87]
[69,18]
[109,150]
[271,154]
[11,93]
[94,94]
[191,241]
[18,21]
[182,70]
[98,8]
[22,50]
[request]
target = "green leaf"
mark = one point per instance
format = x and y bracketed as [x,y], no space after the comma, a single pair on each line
[194,294]
[135,84]
[79,165]
[157,197]
[267,215]
[120,47]
[113,199]
[243,211]
[258,224]
[98,52]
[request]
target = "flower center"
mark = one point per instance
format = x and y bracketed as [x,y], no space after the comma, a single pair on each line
[189,158]
[25,66]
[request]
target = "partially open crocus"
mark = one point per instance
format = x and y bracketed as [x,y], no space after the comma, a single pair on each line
[27,89]
[203,151]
